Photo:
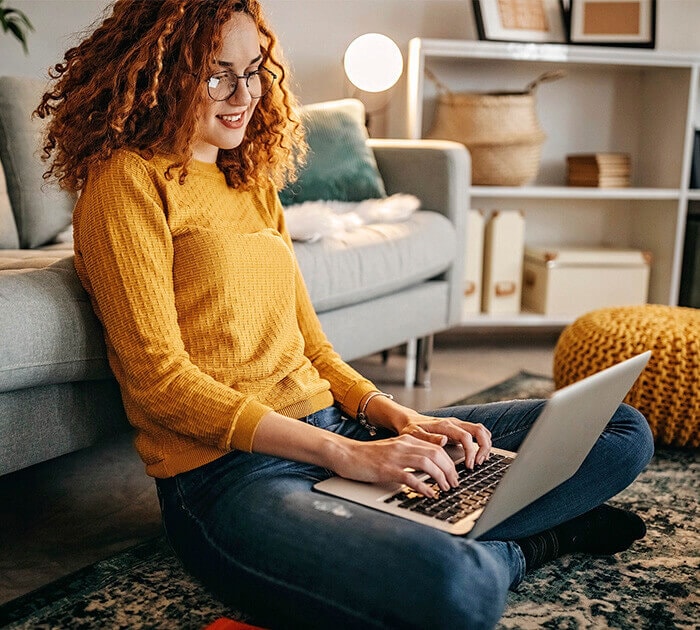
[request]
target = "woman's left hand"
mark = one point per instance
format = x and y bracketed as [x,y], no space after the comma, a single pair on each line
[474,438]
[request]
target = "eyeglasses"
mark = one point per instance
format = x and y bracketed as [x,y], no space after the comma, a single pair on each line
[223,85]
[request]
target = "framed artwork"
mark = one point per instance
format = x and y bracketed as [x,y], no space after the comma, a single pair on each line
[612,22]
[519,20]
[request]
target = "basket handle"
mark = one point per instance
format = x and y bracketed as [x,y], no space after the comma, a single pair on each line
[442,88]
[545,77]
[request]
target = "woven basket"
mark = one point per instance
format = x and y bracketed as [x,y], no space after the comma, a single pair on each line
[511,164]
[500,129]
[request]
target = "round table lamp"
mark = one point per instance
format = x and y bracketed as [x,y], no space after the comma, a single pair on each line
[373,62]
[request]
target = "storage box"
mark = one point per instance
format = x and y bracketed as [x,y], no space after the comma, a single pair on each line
[504,243]
[473,263]
[573,281]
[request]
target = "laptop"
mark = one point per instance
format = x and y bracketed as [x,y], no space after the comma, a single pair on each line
[558,442]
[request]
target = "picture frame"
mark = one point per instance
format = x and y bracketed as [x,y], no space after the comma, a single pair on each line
[539,21]
[611,22]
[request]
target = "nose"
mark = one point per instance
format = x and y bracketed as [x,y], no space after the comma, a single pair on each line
[242,95]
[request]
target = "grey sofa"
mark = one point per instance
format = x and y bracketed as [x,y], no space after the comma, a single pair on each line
[380,287]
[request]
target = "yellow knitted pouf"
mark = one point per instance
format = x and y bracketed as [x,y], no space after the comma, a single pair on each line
[668,390]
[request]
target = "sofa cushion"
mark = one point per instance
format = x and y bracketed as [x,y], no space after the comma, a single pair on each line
[22,259]
[340,166]
[376,259]
[41,210]
[9,239]
[54,335]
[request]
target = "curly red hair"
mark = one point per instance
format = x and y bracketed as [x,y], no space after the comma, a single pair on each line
[137,82]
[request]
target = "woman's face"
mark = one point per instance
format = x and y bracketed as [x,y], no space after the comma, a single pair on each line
[223,123]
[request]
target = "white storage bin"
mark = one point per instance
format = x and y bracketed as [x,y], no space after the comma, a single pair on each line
[573,280]
[473,263]
[504,243]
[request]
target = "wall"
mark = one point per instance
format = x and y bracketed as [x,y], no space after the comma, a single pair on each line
[314,33]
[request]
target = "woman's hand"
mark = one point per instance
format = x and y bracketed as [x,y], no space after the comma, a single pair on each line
[396,459]
[418,447]
[474,438]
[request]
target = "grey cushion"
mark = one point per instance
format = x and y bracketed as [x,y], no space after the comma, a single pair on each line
[340,165]
[9,239]
[41,210]
[50,332]
[376,259]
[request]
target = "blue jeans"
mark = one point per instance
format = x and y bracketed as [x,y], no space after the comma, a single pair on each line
[252,530]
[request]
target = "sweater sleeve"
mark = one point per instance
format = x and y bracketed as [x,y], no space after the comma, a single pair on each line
[124,257]
[347,385]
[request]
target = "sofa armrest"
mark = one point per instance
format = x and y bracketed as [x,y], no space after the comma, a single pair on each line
[438,172]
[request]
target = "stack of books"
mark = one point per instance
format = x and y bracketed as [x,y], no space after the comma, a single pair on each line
[604,170]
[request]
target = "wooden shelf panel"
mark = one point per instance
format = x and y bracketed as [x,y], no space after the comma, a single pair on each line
[570,192]
[523,319]
[513,51]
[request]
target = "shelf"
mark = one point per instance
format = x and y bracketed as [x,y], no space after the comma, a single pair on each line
[568,192]
[511,51]
[638,101]
[523,319]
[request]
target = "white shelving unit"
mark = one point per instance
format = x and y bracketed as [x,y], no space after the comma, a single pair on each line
[643,102]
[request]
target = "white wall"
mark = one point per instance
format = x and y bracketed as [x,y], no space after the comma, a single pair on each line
[313,33]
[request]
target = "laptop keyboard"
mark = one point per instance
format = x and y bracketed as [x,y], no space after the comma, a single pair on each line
[474,490]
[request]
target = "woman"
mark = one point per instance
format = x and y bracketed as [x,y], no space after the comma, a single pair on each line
[174,121]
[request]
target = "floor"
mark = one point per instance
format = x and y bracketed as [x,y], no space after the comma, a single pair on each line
[67,513]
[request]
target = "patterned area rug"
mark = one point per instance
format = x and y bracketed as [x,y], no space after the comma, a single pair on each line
[654,585]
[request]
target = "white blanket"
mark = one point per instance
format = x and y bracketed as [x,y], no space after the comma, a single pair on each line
[312,220]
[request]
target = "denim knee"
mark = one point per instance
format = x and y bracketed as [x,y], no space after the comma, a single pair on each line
[468,594]
[631,423]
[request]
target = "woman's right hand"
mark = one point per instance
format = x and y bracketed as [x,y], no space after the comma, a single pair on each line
[395,459]
[398,459]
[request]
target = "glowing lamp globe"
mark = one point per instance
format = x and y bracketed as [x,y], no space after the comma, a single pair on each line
[373,62]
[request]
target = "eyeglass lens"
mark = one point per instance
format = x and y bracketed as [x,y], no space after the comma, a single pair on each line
[224,85]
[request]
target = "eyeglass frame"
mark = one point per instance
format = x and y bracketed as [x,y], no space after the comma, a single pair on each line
[246,76]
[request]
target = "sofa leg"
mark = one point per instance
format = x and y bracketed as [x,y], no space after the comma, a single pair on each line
[411,362]
[424,355]
[418,355]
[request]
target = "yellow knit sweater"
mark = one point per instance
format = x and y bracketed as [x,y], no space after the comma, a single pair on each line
[207,319]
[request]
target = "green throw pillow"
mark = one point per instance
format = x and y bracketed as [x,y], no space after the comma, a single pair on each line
[340,166]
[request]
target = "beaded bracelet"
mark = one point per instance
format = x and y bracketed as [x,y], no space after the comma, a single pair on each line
[361,416]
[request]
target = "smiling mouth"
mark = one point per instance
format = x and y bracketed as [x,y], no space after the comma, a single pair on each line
[232,121]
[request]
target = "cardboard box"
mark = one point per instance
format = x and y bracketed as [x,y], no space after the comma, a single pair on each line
[473,263]
[573,281]
[504,242]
